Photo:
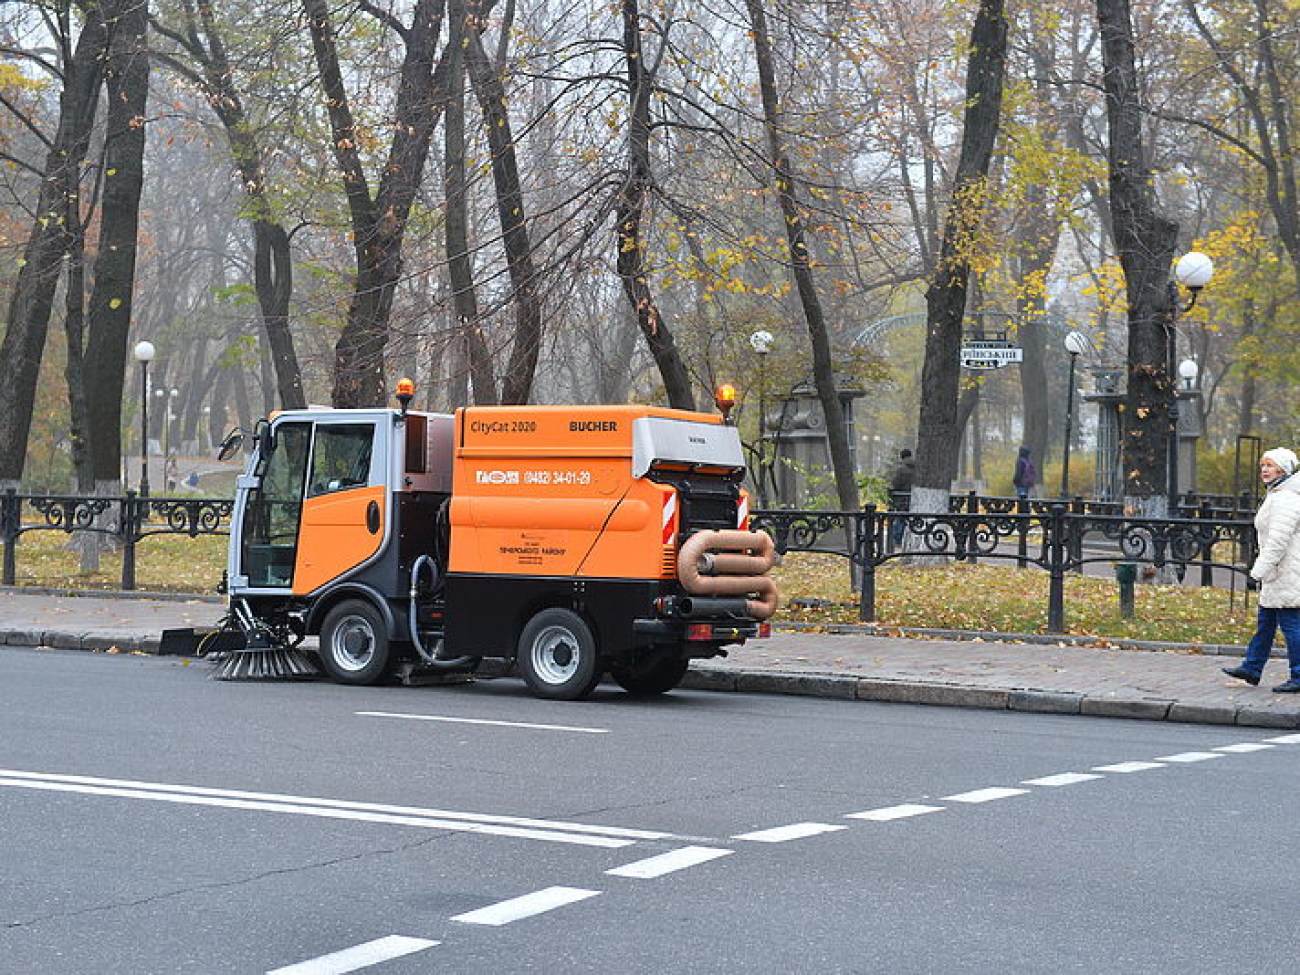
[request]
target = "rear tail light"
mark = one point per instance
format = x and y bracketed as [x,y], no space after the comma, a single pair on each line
[699,631]
[764,629]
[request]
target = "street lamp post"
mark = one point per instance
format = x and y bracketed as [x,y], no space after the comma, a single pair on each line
[144,355]
[761,342]
[1075,344]
[167,396]
[1193,271]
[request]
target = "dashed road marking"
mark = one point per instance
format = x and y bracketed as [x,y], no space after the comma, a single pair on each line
[795,831]
[582,834]
[1127,767]
[986,795]
[1286,739]
[484,721]
[529,905]
[890,813]
[673,860]
[1244,748]
[1062,778]
[360,956]
[1188,757]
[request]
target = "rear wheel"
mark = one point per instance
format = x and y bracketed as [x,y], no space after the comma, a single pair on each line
[557,655]
[653,674]
[354,644]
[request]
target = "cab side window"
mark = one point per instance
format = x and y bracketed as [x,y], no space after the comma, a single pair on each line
[341,459]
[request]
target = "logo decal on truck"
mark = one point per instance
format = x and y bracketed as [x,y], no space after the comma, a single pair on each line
[496,477]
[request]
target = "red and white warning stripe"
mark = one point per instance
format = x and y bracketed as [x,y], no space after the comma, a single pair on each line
[670,516]
[742,512]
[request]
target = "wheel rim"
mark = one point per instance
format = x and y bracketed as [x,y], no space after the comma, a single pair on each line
[555,655]
[352,644]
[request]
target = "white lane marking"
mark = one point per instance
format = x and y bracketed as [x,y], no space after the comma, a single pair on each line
[1244,747]
[565,832]
[986,795]
[1063,778]
[1189,757]
[795,831]
[528,905]
[1286,739]
[1127,767]
[360,956]
[657,866]
[484,721]
[889,813]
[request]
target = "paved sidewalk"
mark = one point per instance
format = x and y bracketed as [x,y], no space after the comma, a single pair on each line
[1182,684]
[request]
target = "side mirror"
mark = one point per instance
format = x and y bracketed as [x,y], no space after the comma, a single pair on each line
[231,445]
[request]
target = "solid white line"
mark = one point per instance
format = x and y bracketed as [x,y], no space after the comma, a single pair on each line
[1186,757]
[889,813]
[657,866]
[795,831]
[1286,739]
[486,721]
[361,956]
[986,795]
[528,905]
[1064,778]
[1127,767]
[1244,747]
[439,814]
[321,812]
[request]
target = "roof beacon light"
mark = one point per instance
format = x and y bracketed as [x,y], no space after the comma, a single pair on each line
[725,398]
[405,393]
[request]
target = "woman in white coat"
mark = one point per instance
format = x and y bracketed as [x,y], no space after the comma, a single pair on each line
[1277,526]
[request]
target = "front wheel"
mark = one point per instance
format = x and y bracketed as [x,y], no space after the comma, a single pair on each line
[651,675]
[557,656]
[354,644]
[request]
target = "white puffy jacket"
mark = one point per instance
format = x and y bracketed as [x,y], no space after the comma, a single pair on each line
[1277,523]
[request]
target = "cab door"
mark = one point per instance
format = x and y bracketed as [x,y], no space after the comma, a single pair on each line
[272,509]
[344,521]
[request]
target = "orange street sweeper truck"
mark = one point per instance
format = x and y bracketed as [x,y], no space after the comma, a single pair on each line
[573,540]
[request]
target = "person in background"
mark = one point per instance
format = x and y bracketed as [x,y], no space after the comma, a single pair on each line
[1025,476]
[901,478]
[1277,568]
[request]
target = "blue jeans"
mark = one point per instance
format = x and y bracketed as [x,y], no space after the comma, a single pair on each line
[1267,622]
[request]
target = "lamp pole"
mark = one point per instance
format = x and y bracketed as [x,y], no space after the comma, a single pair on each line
[761,342]
[144,354]
[1075,343]
[1193,271]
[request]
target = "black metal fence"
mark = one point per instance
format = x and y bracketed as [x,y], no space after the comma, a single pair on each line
[126,520]
[1056,536]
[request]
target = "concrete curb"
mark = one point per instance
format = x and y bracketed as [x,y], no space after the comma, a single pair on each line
[706,678]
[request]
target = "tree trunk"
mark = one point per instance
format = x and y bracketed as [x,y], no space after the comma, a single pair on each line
[629,212]
[109,312]
[526,347]
[846,484]
[32,300]
[1144,240]
[938,433]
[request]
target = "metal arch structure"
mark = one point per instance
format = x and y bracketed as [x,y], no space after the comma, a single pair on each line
[873,332]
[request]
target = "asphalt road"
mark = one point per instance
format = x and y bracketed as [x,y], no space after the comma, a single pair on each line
[155,821]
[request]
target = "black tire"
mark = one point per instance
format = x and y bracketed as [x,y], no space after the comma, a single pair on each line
[651,675]
[354,644]
[557,656]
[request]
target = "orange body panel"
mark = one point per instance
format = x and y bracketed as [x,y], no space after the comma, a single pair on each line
[549,491]
[334,537]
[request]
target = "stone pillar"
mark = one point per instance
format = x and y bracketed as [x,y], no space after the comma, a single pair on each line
[1109,484]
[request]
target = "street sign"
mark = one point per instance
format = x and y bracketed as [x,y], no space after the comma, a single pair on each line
[989,354]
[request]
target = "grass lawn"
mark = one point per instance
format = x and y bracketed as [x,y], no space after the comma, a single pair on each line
[964,597]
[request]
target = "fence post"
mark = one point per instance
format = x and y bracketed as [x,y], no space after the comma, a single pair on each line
[864,549]
[10,521]
[1207,547]
[1055,525]
[128,526]
[1077,507]
[1022,544]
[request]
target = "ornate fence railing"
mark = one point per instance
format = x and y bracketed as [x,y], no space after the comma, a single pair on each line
[1054,536]
[127,520]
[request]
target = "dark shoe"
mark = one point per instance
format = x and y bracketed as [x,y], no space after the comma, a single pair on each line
[1241,673]
[1290,687]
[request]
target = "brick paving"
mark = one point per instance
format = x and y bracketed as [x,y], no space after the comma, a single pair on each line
[1177,684]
